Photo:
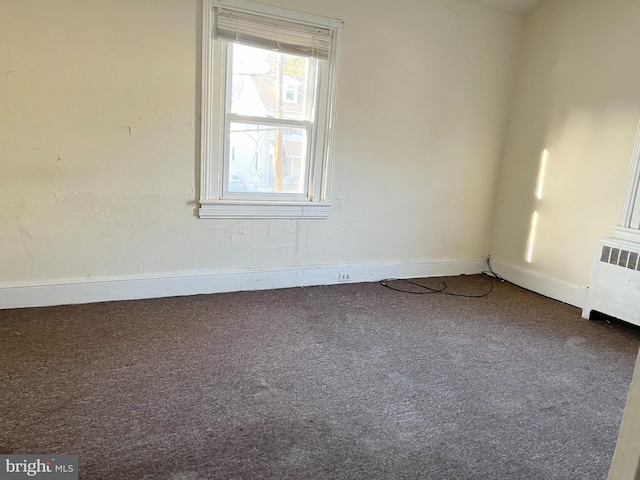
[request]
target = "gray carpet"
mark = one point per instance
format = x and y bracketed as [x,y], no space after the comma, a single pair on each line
[339,382]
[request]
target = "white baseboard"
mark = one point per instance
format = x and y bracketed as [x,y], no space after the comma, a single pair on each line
[133,287]
[551,287]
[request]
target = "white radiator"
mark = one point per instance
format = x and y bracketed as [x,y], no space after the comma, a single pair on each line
[614,284]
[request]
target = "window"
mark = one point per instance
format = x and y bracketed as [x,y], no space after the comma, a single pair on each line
[629,227]
[268,107]
[290,93]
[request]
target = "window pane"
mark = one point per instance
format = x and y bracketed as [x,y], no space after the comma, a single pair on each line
[267,158]
[269,84]
[290,93]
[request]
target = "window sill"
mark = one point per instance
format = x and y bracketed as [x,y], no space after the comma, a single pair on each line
[238,209]
[630,234]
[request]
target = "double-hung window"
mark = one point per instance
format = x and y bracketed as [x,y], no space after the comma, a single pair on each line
[268,109]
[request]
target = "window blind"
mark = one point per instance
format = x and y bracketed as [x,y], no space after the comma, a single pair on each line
[273,34]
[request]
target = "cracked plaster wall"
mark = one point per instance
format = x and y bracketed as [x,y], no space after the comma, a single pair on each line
[98,119]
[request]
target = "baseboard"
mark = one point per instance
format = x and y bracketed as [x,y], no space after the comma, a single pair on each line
[551,287]
[65,292]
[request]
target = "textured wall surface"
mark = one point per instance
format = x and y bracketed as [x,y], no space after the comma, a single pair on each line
[99,124]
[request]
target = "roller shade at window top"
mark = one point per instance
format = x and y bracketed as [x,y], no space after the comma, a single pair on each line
[272,34]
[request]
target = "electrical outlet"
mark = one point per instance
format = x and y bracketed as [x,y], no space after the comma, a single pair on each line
[344,277]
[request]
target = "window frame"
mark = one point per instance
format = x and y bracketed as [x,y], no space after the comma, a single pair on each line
[215,199]
[629,226]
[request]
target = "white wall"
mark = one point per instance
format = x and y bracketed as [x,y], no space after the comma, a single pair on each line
[577,95]
[98,127]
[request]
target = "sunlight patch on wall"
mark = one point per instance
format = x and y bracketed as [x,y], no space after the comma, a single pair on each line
[532,237]
[541,174]
[538,193]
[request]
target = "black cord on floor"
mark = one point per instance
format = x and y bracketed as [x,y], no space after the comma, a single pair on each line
[429,290]
[426,291]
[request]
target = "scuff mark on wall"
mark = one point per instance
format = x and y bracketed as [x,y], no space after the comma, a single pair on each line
[130,127]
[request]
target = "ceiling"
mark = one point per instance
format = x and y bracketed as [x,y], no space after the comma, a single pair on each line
[518,7]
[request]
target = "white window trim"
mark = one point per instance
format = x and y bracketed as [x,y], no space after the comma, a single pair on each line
[212,203]
[629,227]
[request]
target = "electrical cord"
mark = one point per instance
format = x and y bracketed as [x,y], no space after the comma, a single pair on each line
[429,290]
[491,272]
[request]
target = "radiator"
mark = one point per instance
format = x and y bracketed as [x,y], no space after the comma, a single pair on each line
[614,284]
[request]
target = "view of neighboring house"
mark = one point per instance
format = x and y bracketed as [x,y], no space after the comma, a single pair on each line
[272,88]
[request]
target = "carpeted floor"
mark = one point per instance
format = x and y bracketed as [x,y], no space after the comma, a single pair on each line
[339,382]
